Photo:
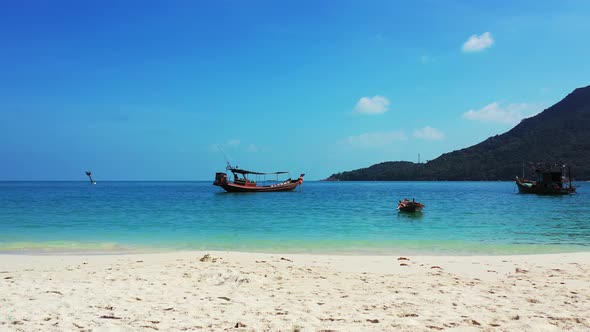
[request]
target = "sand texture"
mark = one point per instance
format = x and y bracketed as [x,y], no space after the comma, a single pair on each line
[184,291]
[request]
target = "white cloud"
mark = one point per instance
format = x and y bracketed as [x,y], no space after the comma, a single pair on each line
[477,43]
[510,114]
[429,133]
[251,148]
[375,139]
[374,105]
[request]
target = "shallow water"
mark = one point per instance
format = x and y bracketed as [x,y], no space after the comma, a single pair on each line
[322,217]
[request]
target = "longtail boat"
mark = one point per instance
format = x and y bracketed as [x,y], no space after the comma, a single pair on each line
[243,182]
[547,182]
[409,206]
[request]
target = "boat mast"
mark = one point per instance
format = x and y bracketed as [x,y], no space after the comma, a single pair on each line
[224,157]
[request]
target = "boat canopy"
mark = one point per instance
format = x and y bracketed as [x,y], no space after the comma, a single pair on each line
[243,171]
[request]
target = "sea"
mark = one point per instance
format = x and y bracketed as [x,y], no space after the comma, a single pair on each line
[460,218]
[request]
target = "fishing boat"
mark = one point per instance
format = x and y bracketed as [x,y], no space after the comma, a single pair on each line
[409,206]
[547,182]
[244,182]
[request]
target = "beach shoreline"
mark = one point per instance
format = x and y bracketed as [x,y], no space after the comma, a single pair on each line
[364,249]
[222,290]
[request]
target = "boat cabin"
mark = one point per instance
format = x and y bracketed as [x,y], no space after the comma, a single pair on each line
[220,178]
[549,179]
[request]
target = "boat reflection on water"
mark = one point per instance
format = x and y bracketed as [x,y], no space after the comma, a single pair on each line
[410,217]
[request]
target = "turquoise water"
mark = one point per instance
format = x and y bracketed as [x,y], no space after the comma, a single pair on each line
[322,217]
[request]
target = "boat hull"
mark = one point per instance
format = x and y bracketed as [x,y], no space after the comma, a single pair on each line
[529,187]
[238,188]
[410,207]
[246,186]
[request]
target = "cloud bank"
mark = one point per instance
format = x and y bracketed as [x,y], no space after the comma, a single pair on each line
[496,113]
[429,133]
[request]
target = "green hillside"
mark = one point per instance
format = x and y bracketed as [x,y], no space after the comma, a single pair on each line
[558,135]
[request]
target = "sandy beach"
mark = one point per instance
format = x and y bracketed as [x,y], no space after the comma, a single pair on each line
[183,291]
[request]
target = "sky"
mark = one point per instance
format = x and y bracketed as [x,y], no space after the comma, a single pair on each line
[167,90]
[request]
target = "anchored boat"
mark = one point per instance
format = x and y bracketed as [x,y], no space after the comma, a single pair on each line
[243,181]
[409,206]
[547,182]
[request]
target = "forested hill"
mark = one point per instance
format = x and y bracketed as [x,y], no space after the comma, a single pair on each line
[558,135]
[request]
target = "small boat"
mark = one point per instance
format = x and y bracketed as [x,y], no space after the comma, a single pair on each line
[548,182]
[243,182]
[409,206]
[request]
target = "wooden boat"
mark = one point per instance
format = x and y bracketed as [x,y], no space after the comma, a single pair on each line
[242,183]
[409,206]
[547,182]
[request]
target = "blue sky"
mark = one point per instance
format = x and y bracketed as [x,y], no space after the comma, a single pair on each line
[147,90]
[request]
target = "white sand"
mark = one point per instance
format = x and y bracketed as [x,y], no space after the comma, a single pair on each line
[250,291]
